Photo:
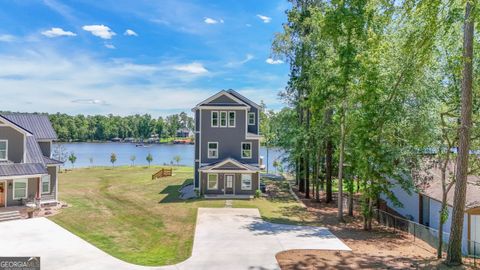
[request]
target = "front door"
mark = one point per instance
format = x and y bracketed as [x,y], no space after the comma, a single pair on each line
[229,184]
[2,194]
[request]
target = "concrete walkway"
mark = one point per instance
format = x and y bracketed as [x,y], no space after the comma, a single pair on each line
[225,238]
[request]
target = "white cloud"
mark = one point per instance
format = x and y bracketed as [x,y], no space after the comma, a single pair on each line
[57,32]
[80,83]
[212,21]
[90,101]
[130,32]
[264,18]
[109,46]
[193,68]
[273,62]
[248,25]
[7,38]
[100,31]
[247,58]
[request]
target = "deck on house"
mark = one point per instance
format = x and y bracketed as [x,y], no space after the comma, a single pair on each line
[228,196]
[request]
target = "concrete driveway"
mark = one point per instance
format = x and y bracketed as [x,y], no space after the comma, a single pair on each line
[225,238]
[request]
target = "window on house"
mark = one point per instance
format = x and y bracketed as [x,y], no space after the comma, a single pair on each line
[246,181]
[231,119]
[246,150]
[223,119]
[3,150]
[212,181]
[46,184]
[251,118]
[20,189]
[214,119]
[213,150]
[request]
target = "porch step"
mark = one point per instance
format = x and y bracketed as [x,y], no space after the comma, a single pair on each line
[10,215]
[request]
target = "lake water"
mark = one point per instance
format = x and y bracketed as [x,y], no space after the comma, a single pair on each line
[162,153]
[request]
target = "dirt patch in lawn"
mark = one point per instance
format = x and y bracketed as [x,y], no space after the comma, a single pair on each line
[380,248]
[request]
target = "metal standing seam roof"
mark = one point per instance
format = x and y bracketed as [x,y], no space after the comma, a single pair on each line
[18,169]
[33,152]
[38,124]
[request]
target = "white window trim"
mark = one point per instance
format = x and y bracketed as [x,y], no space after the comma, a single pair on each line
[26,188]
[208,180]
[241,181]
[241,150]
[248,119]
[211,119]
[48,177]
[234,119]
[6,149]
[208,150]
[226,119]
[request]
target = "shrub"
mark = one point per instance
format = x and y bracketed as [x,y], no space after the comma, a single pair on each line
[258,193]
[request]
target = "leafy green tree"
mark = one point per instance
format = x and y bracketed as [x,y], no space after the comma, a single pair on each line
[113,159]
[132,159]
[149,159]
[72,158]
[177,159]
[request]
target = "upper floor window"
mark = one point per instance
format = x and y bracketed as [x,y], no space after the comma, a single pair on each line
[3,150]
[246,150]
[214,119]
[223,119]
[231,119]
[251,118]
[46,184]
[213,150]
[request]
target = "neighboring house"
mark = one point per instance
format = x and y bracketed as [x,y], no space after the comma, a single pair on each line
[423,206]
[184,133]
[227,143]
[28,174]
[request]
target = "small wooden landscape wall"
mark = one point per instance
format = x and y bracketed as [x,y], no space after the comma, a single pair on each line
[162,173]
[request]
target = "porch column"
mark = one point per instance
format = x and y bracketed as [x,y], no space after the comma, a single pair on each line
[39,182]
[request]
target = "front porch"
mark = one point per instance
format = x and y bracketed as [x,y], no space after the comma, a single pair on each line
[27,192]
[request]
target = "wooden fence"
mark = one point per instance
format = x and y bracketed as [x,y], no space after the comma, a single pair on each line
[162,173]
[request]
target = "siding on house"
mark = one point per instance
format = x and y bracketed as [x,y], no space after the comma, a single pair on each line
[15,143]
[410,203]
[229,139]
[46,148]
[31,191]
[238,184]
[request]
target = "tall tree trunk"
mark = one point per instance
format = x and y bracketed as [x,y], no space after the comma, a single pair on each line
[350,197]
[440,226]
[297,172]
[454,254]
[340,163]
[328,158]
[307,156]
[317,169]
[301,184]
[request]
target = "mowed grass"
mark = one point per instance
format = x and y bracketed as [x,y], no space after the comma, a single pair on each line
[130,216]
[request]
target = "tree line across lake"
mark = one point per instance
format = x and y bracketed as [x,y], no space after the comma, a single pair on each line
[102,128]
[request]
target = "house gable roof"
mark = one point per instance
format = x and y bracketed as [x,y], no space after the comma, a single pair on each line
[229,164]
[37,124]
[244,99]
[219,100]
[14,125]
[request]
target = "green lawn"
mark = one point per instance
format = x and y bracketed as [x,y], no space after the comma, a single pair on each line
[139,220]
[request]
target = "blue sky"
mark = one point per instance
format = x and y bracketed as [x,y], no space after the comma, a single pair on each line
[126,57]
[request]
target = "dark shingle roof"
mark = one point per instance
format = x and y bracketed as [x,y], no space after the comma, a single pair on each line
[38,124]
[22,169]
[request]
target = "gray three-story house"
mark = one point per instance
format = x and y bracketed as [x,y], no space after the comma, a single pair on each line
[227,143]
